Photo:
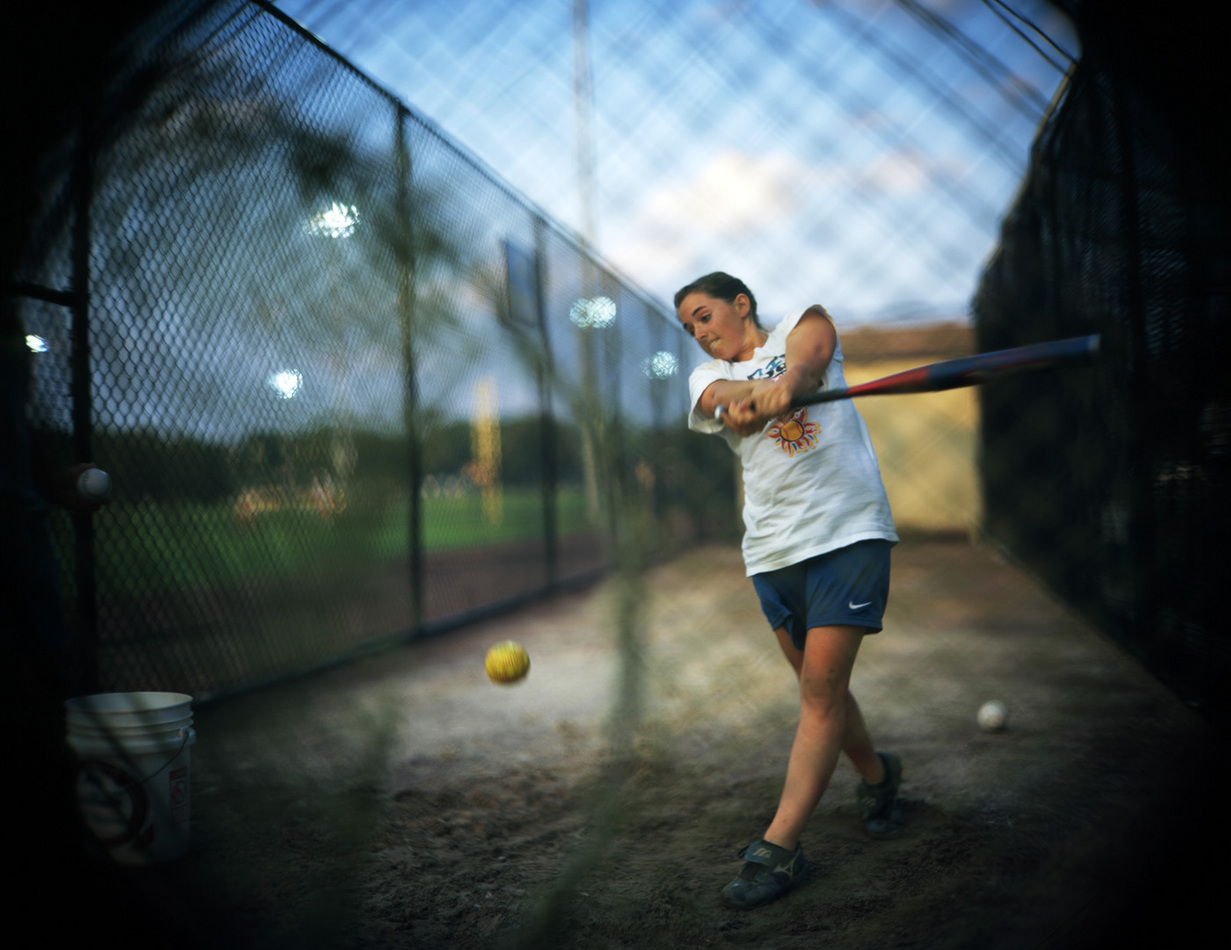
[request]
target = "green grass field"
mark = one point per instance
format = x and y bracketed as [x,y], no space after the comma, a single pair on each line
[150,547]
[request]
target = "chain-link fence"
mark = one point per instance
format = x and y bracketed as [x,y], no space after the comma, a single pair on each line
[1113,484]
[349,386]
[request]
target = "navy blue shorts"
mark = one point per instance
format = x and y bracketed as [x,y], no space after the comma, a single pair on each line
[849,586]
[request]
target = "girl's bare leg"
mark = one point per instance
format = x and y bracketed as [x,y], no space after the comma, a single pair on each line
[830,722]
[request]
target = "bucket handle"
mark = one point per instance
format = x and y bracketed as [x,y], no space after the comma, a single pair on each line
[185,732]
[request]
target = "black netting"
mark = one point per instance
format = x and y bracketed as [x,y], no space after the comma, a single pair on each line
[1112,483]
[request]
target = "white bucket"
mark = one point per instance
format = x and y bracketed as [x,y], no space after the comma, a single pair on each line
[132,773]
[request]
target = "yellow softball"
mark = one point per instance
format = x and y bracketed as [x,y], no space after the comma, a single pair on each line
[507,662]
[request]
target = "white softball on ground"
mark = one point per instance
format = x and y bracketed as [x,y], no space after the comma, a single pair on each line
[993,716]
[94,486]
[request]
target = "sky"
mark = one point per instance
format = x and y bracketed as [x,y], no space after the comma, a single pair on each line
[859,154]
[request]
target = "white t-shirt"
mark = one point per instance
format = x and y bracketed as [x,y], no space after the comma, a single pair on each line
[811,480]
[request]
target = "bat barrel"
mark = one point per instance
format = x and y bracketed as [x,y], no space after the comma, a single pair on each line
[970,370]
[1072,352]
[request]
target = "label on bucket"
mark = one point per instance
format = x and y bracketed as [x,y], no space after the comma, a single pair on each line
[134,795]
[114,803]
[179,795]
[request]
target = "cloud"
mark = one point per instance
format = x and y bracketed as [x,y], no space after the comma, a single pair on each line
[733,198]
[896,173]
[735,201]
[734,192]
[775,215]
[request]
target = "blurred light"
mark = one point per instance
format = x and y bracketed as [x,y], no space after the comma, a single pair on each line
[602,312]
[662,365]
[36,344]
[336,221]
[598,313]
[286,382]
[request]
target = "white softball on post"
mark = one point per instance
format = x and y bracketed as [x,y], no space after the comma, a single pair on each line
[94,486]
[993,716]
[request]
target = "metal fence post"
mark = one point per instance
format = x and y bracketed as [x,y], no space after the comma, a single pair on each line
[82,189]
[405,283]
[546,374]
[1141,398]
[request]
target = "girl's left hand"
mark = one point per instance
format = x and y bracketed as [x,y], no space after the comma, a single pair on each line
[768,400]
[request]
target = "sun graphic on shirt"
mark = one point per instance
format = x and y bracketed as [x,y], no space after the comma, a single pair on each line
[794,433]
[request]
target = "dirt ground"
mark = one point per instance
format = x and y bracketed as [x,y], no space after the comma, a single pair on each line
[404,801]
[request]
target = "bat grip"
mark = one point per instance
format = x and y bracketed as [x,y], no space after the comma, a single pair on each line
[823,395]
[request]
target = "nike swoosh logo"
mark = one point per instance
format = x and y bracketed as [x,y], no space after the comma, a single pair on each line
[851,606]
[788,868]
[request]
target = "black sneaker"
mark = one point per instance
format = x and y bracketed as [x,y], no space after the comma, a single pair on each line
[768,873]
[878,804]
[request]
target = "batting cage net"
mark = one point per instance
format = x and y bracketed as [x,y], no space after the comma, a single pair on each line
[354,388]
[1112,484]
[341,375]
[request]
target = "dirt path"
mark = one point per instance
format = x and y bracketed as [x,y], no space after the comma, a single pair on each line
[404,801]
